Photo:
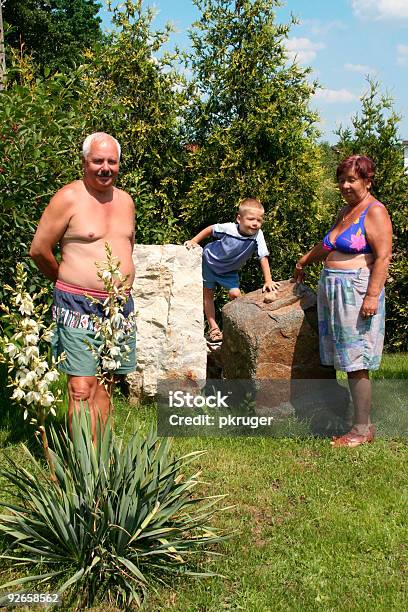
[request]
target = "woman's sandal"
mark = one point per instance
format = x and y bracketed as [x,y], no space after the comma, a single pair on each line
[352,439]
[214,335]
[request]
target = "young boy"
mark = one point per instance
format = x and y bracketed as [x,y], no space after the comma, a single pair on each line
[222,259]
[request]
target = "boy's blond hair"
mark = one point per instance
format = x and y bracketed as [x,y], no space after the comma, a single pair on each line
[249,204]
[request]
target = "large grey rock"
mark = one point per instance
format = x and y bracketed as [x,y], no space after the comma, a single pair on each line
[276,345]
[275,340]
[169,327]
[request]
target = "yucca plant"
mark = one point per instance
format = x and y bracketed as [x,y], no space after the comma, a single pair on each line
[119,518]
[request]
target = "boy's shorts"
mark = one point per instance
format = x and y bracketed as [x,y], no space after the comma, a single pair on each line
[230,280]
[74,328]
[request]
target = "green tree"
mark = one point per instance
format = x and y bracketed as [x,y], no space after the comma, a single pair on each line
[135,92]
[253,128]
[41,127]
[374,132]
[55,32]
[124,89]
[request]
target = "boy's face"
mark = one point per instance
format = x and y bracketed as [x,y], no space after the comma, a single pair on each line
[250,222]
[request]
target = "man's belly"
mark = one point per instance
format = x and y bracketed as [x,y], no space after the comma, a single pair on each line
[348,261]
[78,264]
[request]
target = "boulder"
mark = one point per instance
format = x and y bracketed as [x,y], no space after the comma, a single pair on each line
[275,339]
[275,343]
[167,291]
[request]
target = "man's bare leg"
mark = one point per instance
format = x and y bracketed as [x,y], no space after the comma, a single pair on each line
[88,389]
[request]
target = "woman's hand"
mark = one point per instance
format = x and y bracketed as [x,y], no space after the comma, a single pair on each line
[298,274]
[369,306]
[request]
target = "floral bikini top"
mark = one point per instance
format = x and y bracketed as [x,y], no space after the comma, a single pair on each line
[353,239]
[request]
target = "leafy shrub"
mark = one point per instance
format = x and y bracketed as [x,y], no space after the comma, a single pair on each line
[254,130]
[40,132]
[375,133]
[120,517]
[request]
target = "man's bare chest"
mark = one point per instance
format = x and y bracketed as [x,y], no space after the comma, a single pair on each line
[99,222]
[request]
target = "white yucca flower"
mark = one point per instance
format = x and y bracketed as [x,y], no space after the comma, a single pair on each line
[51,376]
[110,329]
[32,397]
[30,325]
[109,364]
[41,367]
[31,339]
[23,359]
[117,320]
[47,400]
[26,307]
[28,380]
[29,373]
[32,352]
[47,335]
[11,349]
[18,394]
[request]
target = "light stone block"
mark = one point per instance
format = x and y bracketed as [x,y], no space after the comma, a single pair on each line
[168,296]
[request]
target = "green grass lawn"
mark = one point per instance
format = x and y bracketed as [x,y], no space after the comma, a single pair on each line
[312,528]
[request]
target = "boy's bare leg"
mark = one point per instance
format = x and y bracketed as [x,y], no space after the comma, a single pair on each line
[234,293]
[209,307]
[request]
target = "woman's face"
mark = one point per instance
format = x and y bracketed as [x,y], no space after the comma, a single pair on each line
[353,188]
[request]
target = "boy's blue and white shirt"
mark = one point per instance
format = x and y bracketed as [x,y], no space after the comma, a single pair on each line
[231,249]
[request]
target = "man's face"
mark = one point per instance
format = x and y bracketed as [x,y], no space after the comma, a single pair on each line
[101,166]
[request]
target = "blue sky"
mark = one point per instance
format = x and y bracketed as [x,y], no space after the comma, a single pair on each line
[341,40]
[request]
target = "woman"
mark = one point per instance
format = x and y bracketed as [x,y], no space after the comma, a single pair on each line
[357,251]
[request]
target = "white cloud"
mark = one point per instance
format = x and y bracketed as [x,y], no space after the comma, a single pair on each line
[321,28]
[333,96]
[361,68]
[303,50]
[380,9]
[402,58]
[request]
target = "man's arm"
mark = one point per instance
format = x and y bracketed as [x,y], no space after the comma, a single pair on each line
[133,238]
[205,233]
[51,228]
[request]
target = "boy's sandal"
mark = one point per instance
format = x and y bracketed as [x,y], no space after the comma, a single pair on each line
[352,439]
[214,335]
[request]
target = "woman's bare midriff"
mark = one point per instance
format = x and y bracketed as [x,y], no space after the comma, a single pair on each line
[348,261]
[78,267]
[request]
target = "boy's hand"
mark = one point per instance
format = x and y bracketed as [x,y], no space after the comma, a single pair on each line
[190,244]
[270,287]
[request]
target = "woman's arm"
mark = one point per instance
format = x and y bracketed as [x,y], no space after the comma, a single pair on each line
[379,236]
[318,253]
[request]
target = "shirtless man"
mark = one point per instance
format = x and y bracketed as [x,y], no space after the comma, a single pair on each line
[82,217]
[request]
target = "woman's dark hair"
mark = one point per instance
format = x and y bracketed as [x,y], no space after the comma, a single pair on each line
[362,165]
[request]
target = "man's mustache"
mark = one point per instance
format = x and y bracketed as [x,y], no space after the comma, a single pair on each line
[105,173]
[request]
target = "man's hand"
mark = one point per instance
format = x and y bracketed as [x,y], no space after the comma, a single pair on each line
[190,244]
[270,286]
